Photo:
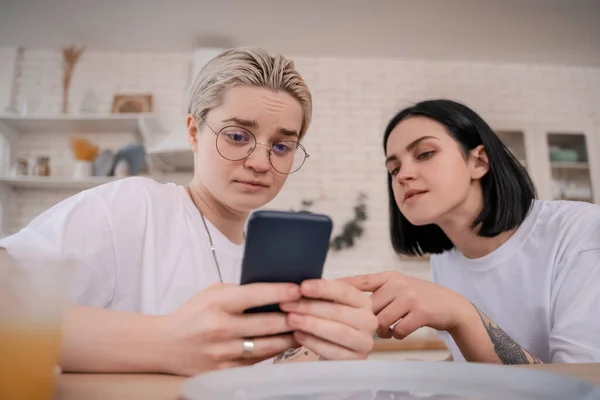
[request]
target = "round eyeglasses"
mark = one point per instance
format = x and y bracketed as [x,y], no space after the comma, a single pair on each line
[235,144]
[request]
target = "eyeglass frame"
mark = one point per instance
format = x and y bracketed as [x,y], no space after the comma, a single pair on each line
[256,142]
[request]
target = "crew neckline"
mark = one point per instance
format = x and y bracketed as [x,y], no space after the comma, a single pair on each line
[509,247]
[218,238]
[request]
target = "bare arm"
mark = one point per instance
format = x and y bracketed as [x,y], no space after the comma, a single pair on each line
[418,303]
[100,340]
[481,340]
[204,334]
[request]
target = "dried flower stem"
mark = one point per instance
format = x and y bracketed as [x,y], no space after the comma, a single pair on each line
[70,57]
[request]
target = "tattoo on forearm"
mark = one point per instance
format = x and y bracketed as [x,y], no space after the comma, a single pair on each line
[508,351]
[291,353]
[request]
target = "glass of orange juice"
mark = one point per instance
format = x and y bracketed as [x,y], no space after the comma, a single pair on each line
[33,300]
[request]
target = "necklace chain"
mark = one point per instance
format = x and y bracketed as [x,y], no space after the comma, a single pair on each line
[212,245]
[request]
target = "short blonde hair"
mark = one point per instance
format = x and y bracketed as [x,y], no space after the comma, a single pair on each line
[247,66]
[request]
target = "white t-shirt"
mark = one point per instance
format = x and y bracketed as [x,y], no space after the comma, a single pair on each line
[542,286]
[141,246]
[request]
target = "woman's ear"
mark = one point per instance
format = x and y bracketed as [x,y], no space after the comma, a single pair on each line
[192,132]
[478,162]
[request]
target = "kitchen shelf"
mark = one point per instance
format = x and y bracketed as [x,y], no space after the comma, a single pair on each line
[54,182]
[145,124]
[569,165]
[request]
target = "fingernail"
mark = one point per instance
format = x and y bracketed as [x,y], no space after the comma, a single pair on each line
[291,305]
[296,319]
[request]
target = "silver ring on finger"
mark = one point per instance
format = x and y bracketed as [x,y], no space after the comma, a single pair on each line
[247,347]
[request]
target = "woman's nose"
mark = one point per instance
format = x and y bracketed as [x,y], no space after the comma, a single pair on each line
[259,159]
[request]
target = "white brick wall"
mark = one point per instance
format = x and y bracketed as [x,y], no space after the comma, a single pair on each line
[8,56]
[354,98]
[163,75]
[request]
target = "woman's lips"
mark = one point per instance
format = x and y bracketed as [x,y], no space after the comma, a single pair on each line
[251,186]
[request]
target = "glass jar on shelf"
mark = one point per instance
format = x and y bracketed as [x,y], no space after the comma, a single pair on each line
[42,166]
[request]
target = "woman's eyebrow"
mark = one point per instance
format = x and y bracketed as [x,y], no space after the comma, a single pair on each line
[287,132]
[248,123]
[414,143]
[410,147]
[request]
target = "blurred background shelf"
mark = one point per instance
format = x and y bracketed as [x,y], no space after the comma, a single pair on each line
[144,124]
[576,165]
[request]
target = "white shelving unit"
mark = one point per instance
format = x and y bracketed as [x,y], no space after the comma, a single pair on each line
[531,143]
[570,165]
[76,123]
[145,126]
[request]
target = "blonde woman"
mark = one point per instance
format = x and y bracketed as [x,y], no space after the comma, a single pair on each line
[159,264]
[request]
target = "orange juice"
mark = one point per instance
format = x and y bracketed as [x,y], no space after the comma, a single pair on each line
[33,299]
[28,354]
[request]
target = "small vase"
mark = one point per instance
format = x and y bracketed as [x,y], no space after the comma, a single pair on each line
[82,169]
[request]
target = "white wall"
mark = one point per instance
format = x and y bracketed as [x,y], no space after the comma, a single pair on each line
[353,100]
[8,61]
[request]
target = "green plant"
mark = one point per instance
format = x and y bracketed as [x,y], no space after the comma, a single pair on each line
[352,229]
[306,205]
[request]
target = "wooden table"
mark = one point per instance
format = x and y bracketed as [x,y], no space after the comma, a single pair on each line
[166,387]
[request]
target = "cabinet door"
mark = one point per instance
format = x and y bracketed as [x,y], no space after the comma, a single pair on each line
[569,162]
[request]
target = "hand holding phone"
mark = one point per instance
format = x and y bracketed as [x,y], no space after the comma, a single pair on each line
[285,246]
[332,318]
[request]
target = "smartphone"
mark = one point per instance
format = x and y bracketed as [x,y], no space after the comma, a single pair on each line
[284,246]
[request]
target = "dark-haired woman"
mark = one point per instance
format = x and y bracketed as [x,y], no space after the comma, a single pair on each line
[516,280]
